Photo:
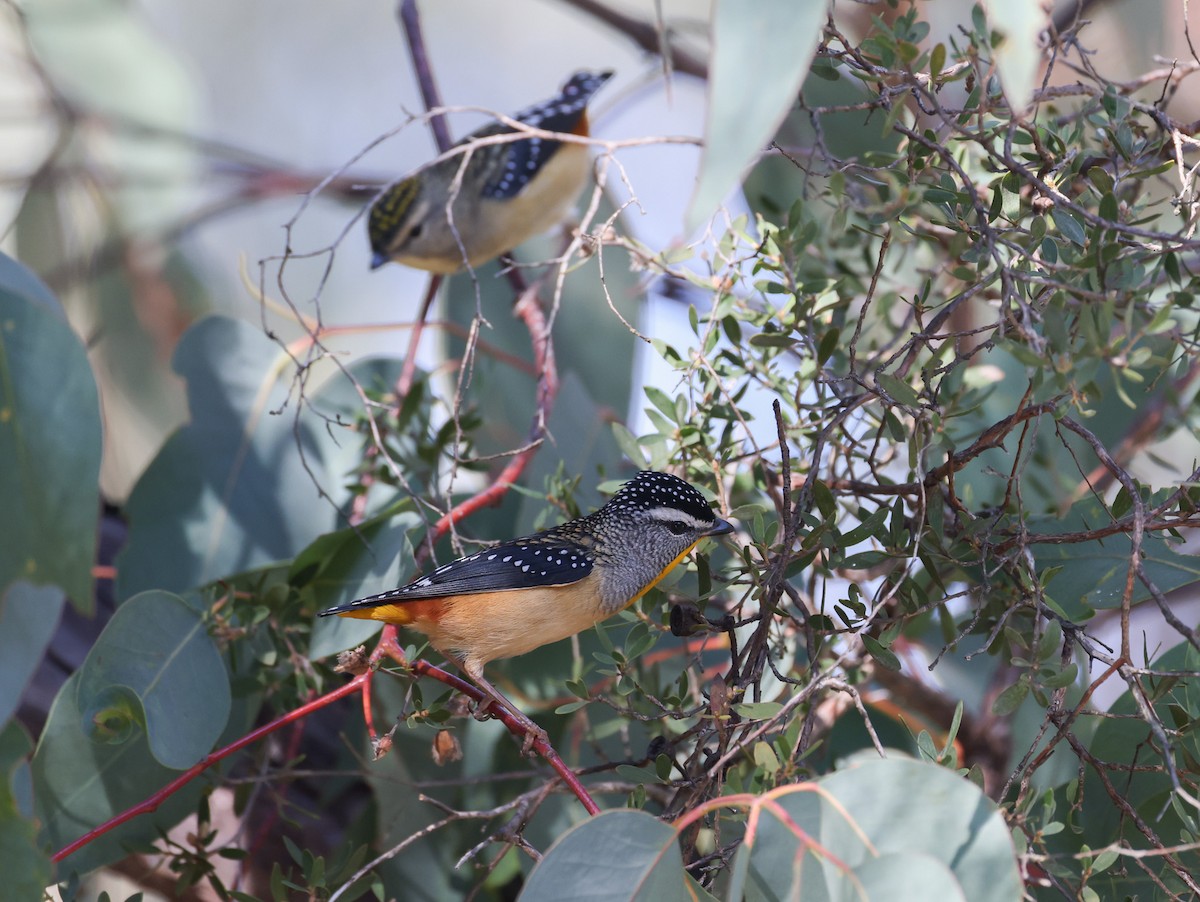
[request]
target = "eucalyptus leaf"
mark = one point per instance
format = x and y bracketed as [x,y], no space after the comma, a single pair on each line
[49,441]
[775,39]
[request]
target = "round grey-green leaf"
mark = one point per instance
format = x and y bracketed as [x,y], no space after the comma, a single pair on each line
[616,855]
[156,651]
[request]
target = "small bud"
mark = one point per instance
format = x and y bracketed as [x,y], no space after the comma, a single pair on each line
[445,748]
[382,745]
[354,660]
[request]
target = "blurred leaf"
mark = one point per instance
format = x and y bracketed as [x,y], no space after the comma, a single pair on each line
[28,617]
[20,281]
[49,441]
[106,57]
[614,855]
[775,39]
[900,390]
[425,868]
[1120,742]
[26,866]
[373,558]
[1010,699]
[1018,56]
[583,446]
[955,844]
[909,877]
[589,343]
[1092,574]
[229,491]
[157,648]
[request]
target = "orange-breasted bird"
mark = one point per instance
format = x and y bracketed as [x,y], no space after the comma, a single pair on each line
[507,193]
[517,596]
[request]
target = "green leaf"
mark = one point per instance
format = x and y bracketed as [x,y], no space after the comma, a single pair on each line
[1050,643]
[157,651]
[1069,226]
[882,654]
[758,710]
[79,784]
[230,490]
[1060,678]
[908,877]
[628,444]
[352,563]
[900,391]
[614,855]
[1010,699]
[775,39]
[828,344]
[49,442]
[28,617]
[937,60]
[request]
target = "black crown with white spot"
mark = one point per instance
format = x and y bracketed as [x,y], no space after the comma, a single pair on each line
[558,114]
[650,489]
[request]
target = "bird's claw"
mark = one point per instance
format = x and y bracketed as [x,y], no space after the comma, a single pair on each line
[485,710]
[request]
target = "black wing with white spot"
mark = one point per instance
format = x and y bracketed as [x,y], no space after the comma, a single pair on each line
[559,114]
[520,564]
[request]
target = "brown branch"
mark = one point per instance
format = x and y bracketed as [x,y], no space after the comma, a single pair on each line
[650,38]
[410,21]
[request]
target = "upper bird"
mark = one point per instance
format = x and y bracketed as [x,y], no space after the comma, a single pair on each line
[508,192]
[522,594]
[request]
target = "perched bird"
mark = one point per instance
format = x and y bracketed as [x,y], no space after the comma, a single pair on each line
[517,596]
[508,192]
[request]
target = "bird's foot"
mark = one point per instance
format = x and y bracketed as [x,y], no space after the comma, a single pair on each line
[533,735]
[486,709]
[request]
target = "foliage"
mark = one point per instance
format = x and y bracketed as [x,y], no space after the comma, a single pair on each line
[942,376]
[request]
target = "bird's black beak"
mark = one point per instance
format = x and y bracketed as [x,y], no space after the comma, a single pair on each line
[378,259]
[719,528]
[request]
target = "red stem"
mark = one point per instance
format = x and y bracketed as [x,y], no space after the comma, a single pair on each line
[153,801]
[409,368]
[390,647]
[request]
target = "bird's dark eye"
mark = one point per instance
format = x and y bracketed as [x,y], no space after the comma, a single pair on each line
[677,528]
[416,231]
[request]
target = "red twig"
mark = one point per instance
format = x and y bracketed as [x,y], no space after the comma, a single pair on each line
[391,648]
[409,367]
[153,801]
[528,310]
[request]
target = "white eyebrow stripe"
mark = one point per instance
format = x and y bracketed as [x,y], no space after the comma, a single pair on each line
[675,515]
